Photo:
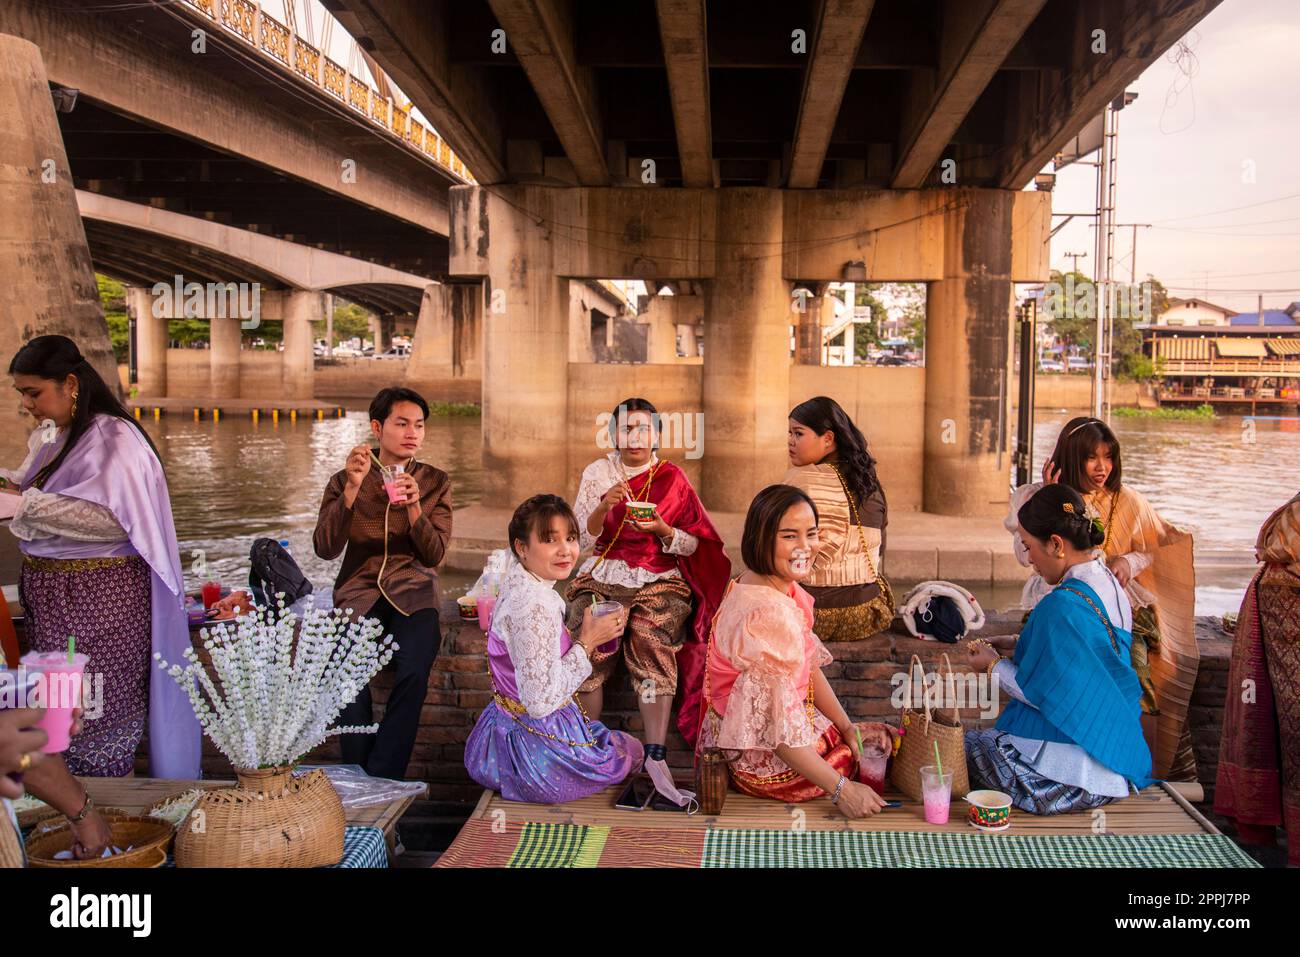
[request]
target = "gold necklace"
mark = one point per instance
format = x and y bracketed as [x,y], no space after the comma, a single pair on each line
[1110,518]
[645,490]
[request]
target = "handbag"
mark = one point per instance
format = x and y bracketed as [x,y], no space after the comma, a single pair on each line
[922,729]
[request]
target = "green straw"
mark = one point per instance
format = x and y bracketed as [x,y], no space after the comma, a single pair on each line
[937,760]
[72,648]
[859,733]
[593,601]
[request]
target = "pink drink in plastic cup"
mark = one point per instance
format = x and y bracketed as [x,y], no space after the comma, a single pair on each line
[871,769]
[936,792]
[394,496]
[600,609]
[60,693]
[485,603]
[17,690]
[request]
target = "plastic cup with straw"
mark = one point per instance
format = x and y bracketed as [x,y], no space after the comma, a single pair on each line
[62,676]
[598,610]
[936,790]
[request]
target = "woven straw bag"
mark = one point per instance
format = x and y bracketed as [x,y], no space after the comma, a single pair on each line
[922,729]
[269,820]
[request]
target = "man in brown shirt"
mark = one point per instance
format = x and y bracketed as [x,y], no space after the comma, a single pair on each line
[391,544]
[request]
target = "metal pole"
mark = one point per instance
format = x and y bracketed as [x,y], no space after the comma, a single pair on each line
[1098,277]
[1025,411]
[329,325]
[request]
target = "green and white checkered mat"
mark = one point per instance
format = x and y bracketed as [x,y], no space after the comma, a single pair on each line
[754,848]
[559,845]
[571,845]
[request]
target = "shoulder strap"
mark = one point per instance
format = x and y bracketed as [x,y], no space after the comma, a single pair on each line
[1100,614]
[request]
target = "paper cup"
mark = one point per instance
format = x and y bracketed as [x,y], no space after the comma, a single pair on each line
[468,607]
[641,511]
[989,810]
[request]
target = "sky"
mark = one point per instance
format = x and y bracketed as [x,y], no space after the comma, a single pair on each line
[1209,154]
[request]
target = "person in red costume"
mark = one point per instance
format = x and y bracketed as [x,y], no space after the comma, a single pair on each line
[667,570]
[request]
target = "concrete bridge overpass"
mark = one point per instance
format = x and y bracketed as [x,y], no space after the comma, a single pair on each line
[236,135]
[142,245]
[773,145]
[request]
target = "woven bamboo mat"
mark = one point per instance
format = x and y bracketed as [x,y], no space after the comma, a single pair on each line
[498,829]
[1154,811]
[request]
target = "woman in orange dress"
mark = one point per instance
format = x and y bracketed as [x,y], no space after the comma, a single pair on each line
[768,705]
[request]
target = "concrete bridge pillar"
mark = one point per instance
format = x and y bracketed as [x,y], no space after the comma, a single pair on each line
[447,352]
[525,337]
[377,333]
[812,312]
[47,284]
[967,354]
[300,309]
[746,352]
[223,357]
[150,342]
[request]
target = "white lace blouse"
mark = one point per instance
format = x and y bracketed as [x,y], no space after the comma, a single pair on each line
[528,617]
[597,479]
[50,515]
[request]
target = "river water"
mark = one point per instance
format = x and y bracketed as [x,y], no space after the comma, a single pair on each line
[233,481]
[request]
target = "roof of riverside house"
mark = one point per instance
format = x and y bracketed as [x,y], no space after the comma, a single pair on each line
[1272,317]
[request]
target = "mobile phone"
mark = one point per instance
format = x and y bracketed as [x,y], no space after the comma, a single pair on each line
[636,795]
[660,803]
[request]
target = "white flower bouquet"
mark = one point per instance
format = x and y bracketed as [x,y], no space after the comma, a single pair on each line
[280,681]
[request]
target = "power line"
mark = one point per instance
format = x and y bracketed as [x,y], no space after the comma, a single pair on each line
[1208,232]
[1244,275]
[1230,209]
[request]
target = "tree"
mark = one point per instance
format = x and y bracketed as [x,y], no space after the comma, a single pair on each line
[350,322]
[1072,301]
[112,297]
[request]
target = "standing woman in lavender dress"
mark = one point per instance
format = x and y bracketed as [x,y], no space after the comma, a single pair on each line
[100,561]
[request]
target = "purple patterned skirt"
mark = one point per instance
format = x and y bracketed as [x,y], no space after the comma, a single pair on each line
[550,760]
[107,606]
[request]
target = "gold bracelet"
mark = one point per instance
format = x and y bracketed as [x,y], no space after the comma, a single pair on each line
[84,812]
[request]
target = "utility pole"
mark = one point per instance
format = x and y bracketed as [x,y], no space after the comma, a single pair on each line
[1133,257]
[1076,257]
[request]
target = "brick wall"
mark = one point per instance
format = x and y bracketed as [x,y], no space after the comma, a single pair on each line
[862,676]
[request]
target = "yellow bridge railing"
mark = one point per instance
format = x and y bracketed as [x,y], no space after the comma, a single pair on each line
[245,19]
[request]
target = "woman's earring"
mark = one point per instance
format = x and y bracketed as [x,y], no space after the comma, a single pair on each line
[74,405]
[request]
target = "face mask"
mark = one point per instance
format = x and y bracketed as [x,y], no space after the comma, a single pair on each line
[663,782]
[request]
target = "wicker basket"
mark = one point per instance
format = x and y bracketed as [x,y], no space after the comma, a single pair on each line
[32,816]
[269,820]
[148,837]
